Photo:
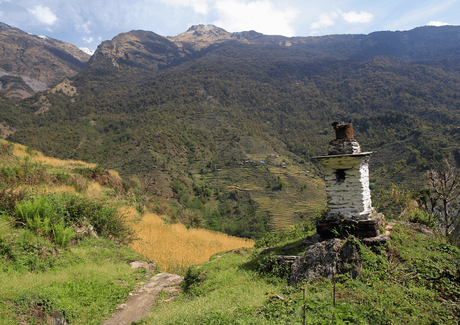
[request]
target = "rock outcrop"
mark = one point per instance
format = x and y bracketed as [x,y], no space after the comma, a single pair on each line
[326,259]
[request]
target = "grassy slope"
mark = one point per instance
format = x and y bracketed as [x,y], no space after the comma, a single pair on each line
[86,280]
[397,284]
[414,279]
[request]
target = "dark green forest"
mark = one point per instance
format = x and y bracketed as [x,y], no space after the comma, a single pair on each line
[200,116]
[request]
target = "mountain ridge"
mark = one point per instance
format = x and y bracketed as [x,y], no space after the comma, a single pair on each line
[199,40]
[32,63]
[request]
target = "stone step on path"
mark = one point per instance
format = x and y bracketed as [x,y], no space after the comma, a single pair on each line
[141,300]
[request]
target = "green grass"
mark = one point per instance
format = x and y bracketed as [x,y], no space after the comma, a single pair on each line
[83,283]
[224,297]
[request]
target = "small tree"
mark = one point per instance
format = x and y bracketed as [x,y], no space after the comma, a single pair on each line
[444,188]
[427,202]
[281,183]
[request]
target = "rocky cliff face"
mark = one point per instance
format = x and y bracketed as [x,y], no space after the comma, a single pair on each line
[137,48]
[33,63]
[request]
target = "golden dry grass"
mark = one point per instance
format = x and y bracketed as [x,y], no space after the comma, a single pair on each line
[20,150]
[174,247]
[114,173]
[95,191]
[129,212]
[59,162]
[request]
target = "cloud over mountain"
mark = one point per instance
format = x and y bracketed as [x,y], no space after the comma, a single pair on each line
[261,15]
[44,15]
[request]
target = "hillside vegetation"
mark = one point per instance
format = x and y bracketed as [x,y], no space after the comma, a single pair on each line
[189,118]
[49,267]
[68,230]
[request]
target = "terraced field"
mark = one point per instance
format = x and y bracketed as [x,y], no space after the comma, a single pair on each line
[300,197]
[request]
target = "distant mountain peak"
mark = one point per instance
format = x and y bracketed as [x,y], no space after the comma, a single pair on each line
[201,36]
[4,26]
[206,30]
[87,50]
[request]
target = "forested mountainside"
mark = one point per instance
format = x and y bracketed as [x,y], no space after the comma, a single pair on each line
[32,63]
[228,123]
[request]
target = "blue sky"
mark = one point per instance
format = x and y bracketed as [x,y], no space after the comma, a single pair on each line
[86,23]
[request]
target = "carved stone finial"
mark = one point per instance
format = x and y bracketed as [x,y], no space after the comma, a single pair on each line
[343,131]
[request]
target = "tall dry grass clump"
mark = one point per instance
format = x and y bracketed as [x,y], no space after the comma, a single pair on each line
[94,191]
[174,247]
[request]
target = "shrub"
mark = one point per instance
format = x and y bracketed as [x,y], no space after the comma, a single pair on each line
[29,252]
[272,266]
[28,212]
[52,216]
[190,218]
[418,216]
[192,280]
[41,217]
[102,176]
[62,235]
[36,305]
[105,219]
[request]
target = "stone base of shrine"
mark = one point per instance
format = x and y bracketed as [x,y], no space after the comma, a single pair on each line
[342,228]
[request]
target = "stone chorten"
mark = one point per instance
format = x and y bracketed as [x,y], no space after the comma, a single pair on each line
[346,173]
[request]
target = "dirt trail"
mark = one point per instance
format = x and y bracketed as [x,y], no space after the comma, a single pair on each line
[141,300]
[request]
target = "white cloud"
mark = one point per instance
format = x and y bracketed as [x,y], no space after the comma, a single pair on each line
[199,6]
[353,17]
[325,20]
[330,19]
[88,39]
[92,40]
[44,14]
[418,15]
[259,15]
[84,27]
[437,23]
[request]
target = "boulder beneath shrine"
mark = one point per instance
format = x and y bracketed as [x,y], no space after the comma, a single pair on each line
[326,259]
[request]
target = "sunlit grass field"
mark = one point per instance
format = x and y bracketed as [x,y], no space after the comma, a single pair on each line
[174,247]
[36,156]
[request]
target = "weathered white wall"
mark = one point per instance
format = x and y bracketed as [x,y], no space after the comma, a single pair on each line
[352,197]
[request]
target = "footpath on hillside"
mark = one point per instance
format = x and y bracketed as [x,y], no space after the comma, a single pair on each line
[142,299]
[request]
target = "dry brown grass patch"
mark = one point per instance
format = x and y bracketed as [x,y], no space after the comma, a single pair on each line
[174,247]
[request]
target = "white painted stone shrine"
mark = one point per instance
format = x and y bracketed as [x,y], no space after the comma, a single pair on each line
[346,173]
